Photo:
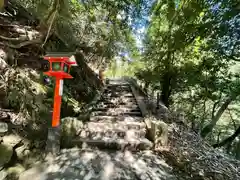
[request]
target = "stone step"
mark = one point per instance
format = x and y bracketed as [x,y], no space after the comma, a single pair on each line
[102,113]
[117,101]
[117,118]
[120,94]
[119,144]
[118,85]
[113,99]
[109,131]
[118,109]
[135,106]
[119,124]
[117,82]
[118,89]
[126,104]
[117,93]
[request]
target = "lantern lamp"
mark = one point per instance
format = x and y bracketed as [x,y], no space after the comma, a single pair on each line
[60,64]
[59,67]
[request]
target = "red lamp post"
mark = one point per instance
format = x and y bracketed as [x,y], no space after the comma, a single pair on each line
[59,67]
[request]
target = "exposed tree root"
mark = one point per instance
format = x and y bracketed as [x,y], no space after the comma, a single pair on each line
[22,44]
[21,38]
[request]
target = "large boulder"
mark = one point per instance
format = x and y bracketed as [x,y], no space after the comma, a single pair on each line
[157,131]
[70,128]
[22,151]
[5,155]
[3,174]
[11,140]
[3,128]
[14,171]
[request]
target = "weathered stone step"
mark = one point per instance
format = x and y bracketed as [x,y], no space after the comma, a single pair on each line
[111,104]
[118,109]
[102,113]
[116,93]
[106,98]
[111,143]
[119,124]
[118,85]
[135,106]
[117,101]
[111,132]
[117,118]
[124,95]
[118,89]
[118,81]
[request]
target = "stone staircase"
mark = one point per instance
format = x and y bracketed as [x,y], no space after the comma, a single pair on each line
[116,122]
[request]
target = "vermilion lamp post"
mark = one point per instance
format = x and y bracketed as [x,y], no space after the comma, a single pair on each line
[59,67]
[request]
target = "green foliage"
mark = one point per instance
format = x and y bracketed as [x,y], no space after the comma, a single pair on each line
[99,28]
[26,95]
[191,54]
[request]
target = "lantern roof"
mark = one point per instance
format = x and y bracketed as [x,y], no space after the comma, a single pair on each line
[59,54]
[68,58]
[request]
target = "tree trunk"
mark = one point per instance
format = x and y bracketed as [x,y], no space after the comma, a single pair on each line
[166,79]
[166,89]
[146,86]
[228,140]
[158,100]
[209,127]
[237,151]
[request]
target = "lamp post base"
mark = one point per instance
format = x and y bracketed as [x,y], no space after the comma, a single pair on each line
[53,140]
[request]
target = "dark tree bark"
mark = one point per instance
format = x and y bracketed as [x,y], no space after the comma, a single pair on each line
[146,86]
[228,140]
[166,89]
[237,151]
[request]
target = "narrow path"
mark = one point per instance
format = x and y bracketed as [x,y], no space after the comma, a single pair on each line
[116,121]
[117,148]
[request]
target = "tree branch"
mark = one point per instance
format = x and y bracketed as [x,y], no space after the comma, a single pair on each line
[228,140]
[214,108]
[209,127]
[234,123]
[50,27]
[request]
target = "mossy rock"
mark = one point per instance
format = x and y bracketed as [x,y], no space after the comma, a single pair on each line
[15,171]
[69,128]
[5,154]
